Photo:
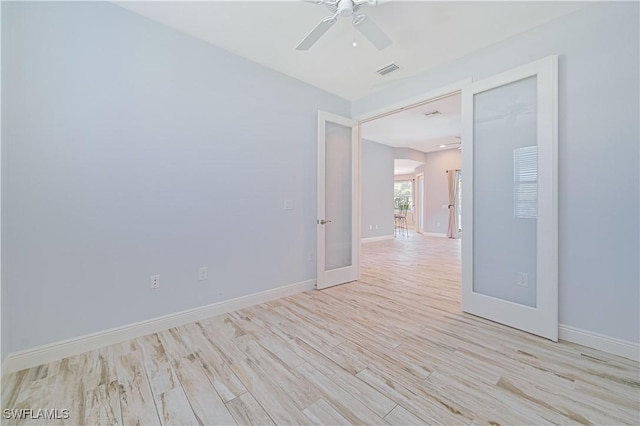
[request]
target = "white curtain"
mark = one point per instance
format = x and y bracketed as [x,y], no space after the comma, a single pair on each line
[452,178]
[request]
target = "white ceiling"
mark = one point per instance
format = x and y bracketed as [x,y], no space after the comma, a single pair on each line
[425,34]
[402,166]
[410,128]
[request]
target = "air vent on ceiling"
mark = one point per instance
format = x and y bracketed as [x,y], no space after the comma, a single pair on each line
[386,70]
[432,113]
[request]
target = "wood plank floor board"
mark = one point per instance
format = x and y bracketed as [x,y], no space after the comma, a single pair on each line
[391,348]
[561,402]
[102,397]
[156,362]
[218,341]
[35,393]
[68,391]
[207,405]
[270,341]
[276,402]
[399,416]
[178,342]
[321,413]
[247,411]
[11,386]
[388,361]
[136,399]
[188,342]
[168,392]
[374,400]
[342,401]
[489,404]
[430,410]
[102,405]
[299,390]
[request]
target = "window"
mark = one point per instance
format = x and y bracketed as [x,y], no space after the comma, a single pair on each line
[525,182]
[403,194]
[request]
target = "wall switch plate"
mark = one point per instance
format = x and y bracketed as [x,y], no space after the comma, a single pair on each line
[376,227]
[370,227]
[309,258]
[438,224]
[288,204]
[155,281]
[522,279]
[202,273]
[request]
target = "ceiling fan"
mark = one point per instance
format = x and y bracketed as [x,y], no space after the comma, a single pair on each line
[360,21]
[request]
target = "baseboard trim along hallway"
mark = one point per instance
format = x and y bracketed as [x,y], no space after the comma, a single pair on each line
[374,239]
[47,353]
[601,342]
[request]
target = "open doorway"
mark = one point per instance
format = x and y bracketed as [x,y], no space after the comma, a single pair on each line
[406,158]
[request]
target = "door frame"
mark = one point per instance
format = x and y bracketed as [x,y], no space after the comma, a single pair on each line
[412,102]
[419,204]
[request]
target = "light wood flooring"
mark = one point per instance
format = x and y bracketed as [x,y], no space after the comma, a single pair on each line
[392,348]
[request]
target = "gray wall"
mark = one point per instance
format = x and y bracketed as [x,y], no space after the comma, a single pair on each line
[436,188]
[598,48]
[119,136]
[377,189]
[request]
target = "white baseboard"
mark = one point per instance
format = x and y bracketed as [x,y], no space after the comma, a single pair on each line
[434,234]
[601,342]
[373,239]
[47,353]
[54,351]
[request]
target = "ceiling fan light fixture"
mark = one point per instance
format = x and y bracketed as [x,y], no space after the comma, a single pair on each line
[361,22]
[442,145]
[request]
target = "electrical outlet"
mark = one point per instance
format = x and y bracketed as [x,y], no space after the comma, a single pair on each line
[376,227]
[438,224]
[522,279]
[202,273]
[370,227]
[309,258]
[288,204]
[155,281]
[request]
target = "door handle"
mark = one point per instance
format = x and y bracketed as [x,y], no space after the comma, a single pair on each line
[323,221]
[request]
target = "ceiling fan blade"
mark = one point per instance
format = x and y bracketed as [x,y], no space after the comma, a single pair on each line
[316,33]
[372,32]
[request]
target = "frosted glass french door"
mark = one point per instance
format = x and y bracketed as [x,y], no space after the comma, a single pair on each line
[337,230]
[509,249]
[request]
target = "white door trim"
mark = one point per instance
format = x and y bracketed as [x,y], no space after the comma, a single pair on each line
[414,101]
[418,198]
[430,96]
[351,273]
[542,320]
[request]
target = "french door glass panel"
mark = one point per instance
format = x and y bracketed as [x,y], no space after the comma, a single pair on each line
[505,192]
[338,196]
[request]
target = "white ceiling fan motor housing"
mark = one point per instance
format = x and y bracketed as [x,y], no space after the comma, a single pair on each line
[345,7]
